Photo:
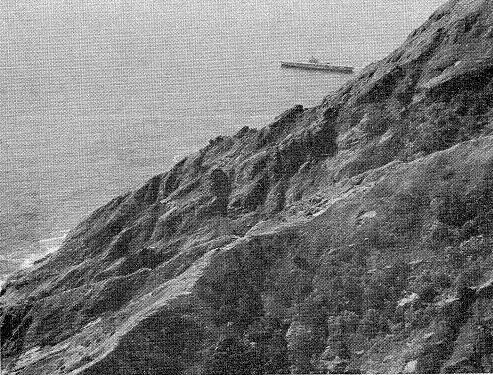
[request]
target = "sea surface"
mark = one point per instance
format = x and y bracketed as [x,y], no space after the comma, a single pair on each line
[97,96]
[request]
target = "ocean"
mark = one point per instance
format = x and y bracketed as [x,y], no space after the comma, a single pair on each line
[97,96]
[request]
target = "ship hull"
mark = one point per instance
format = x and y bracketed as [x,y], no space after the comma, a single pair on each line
[317,66]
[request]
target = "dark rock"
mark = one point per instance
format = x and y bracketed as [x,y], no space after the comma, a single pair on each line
[245,251]
[219,184]
[243,131]
[280,126]
[256,195]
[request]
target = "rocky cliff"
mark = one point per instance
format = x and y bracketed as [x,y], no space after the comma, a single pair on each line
[353,236]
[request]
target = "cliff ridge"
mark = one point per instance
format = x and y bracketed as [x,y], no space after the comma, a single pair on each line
[354,236]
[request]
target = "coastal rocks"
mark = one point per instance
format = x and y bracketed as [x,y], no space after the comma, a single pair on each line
[219,184]
[276,199]
[114,292]
[322,140]
[409,300]
[254,267]
[302,343]
[167,224]
[280,126]
[149,192]
[220,187]
[485,290]
[15,324]
[353,137]
[410,367]
[152,347]
[372,210]
[253,194]
[462,359]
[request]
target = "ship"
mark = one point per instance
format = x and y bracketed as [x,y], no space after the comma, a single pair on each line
[314,64]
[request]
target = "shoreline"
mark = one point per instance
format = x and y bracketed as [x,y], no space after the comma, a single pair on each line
[45,247]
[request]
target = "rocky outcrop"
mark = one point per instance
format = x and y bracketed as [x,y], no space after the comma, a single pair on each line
[352,236]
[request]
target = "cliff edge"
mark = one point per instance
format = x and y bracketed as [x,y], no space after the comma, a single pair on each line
[355,236]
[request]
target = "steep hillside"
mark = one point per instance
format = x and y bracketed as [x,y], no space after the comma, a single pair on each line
[353,236]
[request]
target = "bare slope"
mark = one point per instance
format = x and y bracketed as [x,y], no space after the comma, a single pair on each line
[351,236]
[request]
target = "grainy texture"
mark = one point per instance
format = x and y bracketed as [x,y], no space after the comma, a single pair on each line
[353,236]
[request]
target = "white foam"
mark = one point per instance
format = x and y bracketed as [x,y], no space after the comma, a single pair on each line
[46,246]
[52,244]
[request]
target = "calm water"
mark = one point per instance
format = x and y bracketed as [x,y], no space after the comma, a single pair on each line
[97,96]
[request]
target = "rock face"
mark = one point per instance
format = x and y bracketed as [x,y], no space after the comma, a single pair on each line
[295,247]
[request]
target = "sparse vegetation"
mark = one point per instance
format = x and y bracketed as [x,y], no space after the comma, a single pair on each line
[233,273]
